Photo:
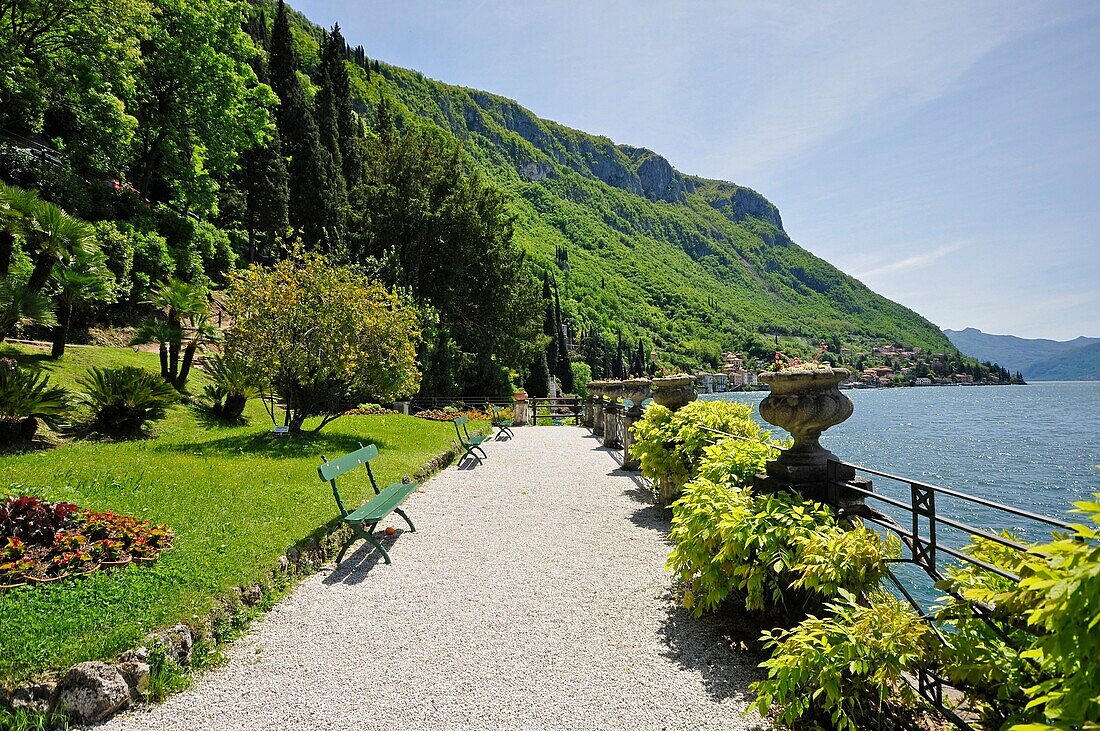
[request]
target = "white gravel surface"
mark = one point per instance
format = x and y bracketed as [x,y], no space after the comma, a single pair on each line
[532,596]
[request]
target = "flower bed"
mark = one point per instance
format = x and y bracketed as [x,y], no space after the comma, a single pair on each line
[43,542]
[370,410]
[450,414]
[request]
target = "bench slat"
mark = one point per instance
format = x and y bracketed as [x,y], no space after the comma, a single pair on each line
[347,463]
[382,505]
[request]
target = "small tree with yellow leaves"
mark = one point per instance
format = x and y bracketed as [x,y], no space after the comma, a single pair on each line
[321,337]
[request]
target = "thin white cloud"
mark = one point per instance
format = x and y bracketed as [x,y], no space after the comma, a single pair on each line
[911,262]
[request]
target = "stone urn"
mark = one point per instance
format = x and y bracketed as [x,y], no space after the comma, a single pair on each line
[674,392]
[636,389]
[805,403]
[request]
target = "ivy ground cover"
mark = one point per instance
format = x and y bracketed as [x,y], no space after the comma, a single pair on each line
[234,496]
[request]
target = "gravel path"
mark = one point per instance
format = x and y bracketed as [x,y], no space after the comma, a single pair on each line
[532,596]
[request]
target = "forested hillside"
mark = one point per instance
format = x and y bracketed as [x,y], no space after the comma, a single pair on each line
[667,257]
[178,142]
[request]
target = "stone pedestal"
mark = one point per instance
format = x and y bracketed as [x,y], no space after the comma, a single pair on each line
[521,416]
[597,388]
[611,421]
[630,462]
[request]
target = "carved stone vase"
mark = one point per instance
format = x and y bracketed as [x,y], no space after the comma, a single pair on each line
[674,392]
[805,403]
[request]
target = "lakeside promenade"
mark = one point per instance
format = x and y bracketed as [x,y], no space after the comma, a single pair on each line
[532,596]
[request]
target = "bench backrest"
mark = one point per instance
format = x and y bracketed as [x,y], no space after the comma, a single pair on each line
[463,436]
[341,466]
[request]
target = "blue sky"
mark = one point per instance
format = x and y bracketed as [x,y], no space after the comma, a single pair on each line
[947,154]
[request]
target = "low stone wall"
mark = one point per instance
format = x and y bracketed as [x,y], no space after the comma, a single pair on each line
[92,691]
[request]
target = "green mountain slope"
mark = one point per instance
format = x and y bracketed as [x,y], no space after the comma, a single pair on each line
[665,256]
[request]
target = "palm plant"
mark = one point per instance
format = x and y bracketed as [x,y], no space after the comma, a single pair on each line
[183,314]
[82,278]
[233,384]
[25,398]
[48,235]
[123,399]
[20,306]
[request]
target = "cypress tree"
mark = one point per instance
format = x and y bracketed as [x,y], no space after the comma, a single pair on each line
[313,205]
[565,368]
[537,383]
[347,144]
[550,329]
[617,364]
[264,180]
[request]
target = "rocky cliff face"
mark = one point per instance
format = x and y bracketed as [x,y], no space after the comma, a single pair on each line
[634,169]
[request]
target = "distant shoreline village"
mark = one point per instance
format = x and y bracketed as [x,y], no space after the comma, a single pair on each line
[887,366]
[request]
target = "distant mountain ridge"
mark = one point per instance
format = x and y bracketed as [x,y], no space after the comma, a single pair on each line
[1038,359]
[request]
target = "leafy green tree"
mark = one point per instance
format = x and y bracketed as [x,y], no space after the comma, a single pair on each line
[446,236]
[65,69]
[321,337]
[197,100]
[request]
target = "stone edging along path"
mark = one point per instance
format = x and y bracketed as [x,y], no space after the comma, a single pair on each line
[532,596]
[93,691]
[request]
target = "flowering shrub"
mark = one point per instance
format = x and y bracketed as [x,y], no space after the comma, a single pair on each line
[1053,661]
[41,540]
[838,669]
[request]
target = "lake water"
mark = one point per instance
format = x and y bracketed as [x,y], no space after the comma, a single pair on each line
[1036,447]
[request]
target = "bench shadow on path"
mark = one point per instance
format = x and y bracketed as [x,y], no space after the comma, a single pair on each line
[362,559]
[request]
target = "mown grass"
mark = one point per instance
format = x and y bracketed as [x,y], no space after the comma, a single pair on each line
[235,496]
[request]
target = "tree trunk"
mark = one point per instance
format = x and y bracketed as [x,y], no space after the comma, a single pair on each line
[176,327]
[164,362]
[7,246]
[61,332]
[43,265]
[185,369]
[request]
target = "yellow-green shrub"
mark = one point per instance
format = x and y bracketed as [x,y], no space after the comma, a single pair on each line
[843,665]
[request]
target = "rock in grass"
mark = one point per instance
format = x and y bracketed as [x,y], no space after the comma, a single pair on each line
[176,642]
[90,692]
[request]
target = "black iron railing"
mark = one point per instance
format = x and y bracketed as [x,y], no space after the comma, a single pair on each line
[428,403]
[928,532]
[555,409]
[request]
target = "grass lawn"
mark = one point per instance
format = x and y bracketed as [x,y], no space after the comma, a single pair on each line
[235,496]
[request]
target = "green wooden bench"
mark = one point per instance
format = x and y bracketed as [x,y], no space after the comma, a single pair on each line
[363,520]
[504,425]
[467,442]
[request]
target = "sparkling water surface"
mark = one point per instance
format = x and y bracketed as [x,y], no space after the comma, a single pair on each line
[1035,447]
